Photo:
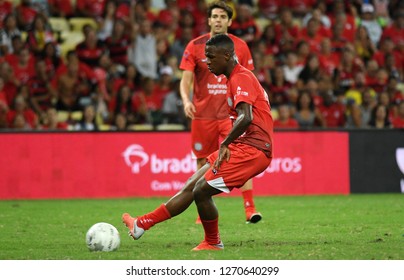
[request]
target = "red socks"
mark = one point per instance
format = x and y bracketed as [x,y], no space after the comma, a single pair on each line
[157,216]
[211,231]
[248,199]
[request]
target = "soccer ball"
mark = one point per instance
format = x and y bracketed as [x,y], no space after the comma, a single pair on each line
[103,237]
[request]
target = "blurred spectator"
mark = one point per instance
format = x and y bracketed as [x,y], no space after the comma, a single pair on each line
[311,70]
[143,53]
[392,89]
[25,67]
[17,46]
[286,30]
[260,70]
[349,65]
[74,86]
[395,30]
[164,83]
[120,123]
[319,12]
[398,121]
[41,92]
[268,38]
[52,59]
[178,46]
[123,104]
[106,22]
[61,8]
[300,7]
[307,115]
[340,14]
[39,35]
[118,43]
[284,119]
[391,67]
[91,49]
[148,103]
[279,87]
[170,15]
[90,8]
[6,8]
[291,69]
[244,25]
[328,58]
[364,46]
[380,117]
[7,32]
[51,122]
[269,8]
[383,98]
[21,115]
[333,111]
[362,113]
[10,82]
[312,35]
[25,13]
[370,22]
[88,121]
[129,78]
[173,108]
[162,53]
[201,15]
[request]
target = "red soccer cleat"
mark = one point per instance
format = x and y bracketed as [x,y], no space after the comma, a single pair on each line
[205,246]
[253,217]
[134,230]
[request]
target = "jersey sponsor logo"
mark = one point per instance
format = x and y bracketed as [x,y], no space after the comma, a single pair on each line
[400,163]
[284,165]
[241,92]
[137,158]
[216,89]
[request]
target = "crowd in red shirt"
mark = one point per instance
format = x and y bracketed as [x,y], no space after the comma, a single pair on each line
[318,59]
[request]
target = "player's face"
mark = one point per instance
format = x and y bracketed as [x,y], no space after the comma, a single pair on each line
[215,60]
[219,21]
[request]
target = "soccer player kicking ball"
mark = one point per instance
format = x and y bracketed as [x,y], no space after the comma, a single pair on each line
[244,153]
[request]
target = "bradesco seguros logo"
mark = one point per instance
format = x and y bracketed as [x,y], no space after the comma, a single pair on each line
[400,163]
[136,158]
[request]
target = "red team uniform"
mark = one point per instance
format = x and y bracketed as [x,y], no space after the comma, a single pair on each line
[209,96]
[255,145]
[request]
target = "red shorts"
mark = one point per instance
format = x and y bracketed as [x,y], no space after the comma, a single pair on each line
[245,163]
[206,134]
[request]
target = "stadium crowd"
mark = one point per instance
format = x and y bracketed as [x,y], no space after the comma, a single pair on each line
[113,64]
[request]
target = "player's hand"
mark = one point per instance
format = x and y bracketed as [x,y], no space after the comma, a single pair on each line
[224,154]
[189,109]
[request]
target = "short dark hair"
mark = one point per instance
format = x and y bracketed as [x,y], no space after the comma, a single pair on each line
[220,5]
[222,41]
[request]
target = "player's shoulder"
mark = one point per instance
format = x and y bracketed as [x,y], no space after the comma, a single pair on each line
[237,40]
[201,40]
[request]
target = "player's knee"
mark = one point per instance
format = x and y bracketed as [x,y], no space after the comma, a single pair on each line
[198,192]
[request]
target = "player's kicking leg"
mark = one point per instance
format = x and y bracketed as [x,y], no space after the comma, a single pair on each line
[174,206]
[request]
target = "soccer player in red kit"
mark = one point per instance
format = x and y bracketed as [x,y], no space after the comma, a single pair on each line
[244,153]
[207,109]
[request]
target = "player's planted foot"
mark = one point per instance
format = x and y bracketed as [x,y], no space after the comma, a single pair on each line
[253,217]
[204,245]
[134,230]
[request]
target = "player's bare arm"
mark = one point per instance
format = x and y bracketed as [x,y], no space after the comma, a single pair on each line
[185,90]
[244,119]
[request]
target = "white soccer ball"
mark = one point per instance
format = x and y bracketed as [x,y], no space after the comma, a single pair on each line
[103,237]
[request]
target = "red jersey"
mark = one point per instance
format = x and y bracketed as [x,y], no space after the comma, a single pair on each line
[398,122]
[290,123]
[244,87]
[209,96]
[6,8]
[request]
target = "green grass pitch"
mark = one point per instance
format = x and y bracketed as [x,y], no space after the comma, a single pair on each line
[354,227]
